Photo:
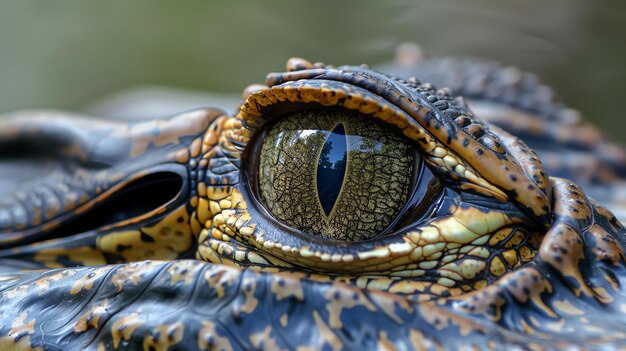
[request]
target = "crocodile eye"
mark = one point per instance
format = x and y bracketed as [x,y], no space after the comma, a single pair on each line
[335,174]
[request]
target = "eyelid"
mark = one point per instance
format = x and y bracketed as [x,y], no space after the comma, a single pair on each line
[269,104]
[265,105]
[506,177]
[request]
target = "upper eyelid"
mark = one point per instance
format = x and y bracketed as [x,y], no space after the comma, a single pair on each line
[260,107]
[263,106]
[519,179]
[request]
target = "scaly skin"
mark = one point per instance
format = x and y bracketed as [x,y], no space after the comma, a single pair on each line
[502,255]
[519,102]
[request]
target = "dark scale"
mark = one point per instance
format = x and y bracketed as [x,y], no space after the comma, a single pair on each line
[331,168]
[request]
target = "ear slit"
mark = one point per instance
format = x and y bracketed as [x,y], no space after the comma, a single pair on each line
[138,197]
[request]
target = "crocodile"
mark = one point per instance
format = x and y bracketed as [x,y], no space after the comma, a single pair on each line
[338,208]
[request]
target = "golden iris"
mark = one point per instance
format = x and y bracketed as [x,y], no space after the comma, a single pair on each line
[335,174]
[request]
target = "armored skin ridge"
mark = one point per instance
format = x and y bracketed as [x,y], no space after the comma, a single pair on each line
[158,235]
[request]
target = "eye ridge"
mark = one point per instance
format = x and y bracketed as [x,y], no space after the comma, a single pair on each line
[330,176]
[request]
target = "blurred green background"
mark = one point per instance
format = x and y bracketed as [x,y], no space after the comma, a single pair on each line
[68,53]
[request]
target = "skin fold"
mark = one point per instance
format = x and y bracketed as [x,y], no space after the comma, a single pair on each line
[158,235]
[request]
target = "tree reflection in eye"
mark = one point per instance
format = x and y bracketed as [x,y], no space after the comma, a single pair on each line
[331,168]
[335,174]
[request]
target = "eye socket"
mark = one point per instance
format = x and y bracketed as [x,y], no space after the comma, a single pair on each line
[335,174]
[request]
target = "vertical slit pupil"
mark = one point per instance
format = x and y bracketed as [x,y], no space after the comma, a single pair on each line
[331,168]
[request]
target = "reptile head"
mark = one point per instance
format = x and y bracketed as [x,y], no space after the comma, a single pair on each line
[386,183]
[350,176]
[370,211]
